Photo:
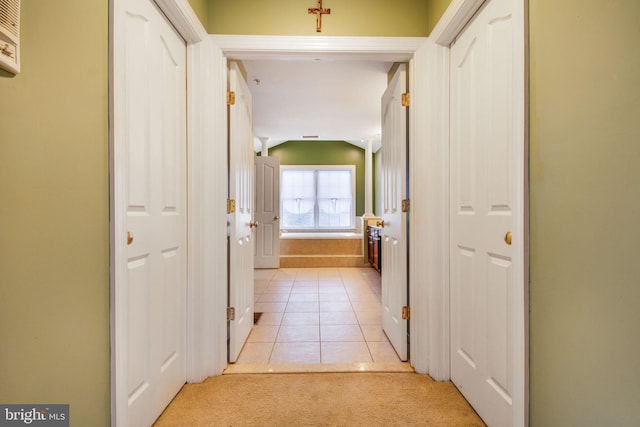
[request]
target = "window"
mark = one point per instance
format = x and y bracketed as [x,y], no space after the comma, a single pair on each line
[317,197]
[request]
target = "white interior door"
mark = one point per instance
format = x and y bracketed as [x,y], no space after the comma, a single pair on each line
[241,190]
[150,152]
[267,213]
[394,232]
[482,207]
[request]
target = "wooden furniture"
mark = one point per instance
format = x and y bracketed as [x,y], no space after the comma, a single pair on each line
[374,247]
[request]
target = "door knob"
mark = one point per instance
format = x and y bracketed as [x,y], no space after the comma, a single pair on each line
[276,218]
[380,224]
[129,237]
[253,224]
[507,238]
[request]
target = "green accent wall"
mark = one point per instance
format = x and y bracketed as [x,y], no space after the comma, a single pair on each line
[54,212]
[585,213]
[201,8]
[377,183]
[324,153]
[406,18]
[435,10]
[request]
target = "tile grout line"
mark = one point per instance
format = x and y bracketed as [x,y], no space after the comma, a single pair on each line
[341,278]
[273,347]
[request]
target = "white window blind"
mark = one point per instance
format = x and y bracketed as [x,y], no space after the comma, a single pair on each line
[317,197]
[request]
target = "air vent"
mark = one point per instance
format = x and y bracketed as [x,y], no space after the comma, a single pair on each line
[10,35]
[310,136]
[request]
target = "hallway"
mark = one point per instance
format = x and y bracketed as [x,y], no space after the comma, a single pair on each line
[318,320]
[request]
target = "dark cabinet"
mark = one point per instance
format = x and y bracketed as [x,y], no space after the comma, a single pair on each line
[374,247]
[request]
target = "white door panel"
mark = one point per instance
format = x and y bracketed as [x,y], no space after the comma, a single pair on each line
[481,213]
[267,213]
[154,142]
[394,233]
[241,189]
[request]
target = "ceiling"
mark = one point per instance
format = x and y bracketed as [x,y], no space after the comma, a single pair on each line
[331,99]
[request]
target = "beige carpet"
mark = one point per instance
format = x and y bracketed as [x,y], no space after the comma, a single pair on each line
[320,399]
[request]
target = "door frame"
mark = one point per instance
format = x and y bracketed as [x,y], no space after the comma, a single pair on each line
[413,50]
[428,157]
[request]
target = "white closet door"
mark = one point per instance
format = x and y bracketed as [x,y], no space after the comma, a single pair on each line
[482,207]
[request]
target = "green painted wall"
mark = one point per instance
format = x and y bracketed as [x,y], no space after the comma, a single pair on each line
[54,205]
[435,9]
[377,183]
[324,153]
[347,18]
[585,212]
[201,8]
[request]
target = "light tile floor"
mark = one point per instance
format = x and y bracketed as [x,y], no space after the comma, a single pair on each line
[318,319]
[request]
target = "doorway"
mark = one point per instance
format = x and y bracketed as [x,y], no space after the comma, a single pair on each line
[409,50]
[305,309]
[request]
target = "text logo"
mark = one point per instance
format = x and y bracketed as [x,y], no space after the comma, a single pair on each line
[34,415]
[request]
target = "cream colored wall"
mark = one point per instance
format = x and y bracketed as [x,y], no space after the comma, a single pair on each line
[585,212]
[347,18]
[54,244]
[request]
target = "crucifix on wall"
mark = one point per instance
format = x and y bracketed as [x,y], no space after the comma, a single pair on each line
[319,11]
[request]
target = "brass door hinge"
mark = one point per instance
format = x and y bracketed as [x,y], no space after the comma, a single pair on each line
[406,205]
[406,99]
[231,313]
[231,206]
[231,98]
[406,312]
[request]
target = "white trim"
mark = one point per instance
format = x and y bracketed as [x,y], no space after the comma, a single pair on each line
[419,184]
[410,49]
[446,31]
[207,217]
[453,21]
[184,19]
[117,226]
[431,170]
[376,48]
[521,248]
